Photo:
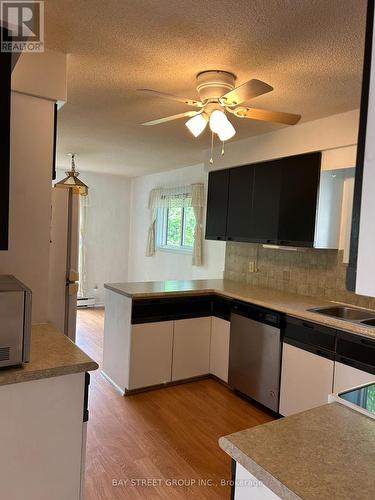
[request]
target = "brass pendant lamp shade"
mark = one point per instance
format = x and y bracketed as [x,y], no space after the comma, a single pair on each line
[71,180]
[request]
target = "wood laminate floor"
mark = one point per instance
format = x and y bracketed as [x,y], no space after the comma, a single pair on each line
[160,444]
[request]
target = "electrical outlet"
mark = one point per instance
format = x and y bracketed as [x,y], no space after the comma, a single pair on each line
[252,268]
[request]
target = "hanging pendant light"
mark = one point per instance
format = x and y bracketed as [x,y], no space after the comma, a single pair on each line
[71,180]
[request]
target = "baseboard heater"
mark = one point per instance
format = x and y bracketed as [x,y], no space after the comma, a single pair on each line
[85,302]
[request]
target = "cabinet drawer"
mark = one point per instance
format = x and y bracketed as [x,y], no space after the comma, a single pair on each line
[165,309]
[356,351]
[222,307]
[312,334]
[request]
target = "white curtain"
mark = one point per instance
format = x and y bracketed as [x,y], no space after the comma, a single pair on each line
[178,197]
[82,284]
[153,206]
[197,202]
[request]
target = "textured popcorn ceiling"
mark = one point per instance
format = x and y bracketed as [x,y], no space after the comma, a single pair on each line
[310,51]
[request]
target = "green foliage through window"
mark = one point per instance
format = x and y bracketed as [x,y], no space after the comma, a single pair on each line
[176,227]
[371,398]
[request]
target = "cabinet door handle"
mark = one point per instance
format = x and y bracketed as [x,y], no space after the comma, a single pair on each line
[369,343]
[346,361]
[307,325]
[319,352]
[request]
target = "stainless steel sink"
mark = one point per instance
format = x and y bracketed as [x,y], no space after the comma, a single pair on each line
[346,313]
[368,322]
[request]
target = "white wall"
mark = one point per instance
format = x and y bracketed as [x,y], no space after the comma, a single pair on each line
[167,265]
[365,265]
[30,197]
[336,132]
[107,230]
[31,172]
[29,75]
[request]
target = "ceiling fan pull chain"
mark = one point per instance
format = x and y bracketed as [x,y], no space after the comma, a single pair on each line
[212,148]
[222,149]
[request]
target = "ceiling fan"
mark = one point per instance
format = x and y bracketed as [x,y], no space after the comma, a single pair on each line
[219,97]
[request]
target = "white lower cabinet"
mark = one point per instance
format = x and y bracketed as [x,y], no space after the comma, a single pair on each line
[167,351]
[43,439]
[306,380]
[219,351]
[347,377]
[191,348]
[249,487]
[151,354]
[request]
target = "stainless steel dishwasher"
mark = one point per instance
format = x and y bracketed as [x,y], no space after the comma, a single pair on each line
[255,353]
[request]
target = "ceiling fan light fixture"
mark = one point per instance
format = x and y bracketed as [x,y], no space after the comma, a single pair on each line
[197,124]
[218,121]
[226,132]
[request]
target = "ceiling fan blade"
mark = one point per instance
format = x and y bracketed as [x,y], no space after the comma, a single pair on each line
[185,100]
[246,91]
[267,115]
[172,117]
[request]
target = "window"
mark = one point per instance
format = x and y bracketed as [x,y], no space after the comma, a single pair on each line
[175,229]
[176,220]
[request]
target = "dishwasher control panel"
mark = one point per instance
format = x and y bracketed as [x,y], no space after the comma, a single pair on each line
[256,313]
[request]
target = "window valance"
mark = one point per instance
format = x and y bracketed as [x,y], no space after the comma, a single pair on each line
[177,197]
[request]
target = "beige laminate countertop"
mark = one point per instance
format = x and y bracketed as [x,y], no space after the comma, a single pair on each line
[284,302]
[52,354]
[323,453]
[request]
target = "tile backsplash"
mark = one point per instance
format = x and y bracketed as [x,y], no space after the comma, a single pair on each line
[319,273]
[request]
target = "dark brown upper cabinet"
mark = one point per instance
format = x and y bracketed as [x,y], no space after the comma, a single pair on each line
[217,205]
[298,199]
[266,201]
[240,203]
[271,202]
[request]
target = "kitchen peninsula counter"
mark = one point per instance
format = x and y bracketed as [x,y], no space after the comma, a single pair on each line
[323,453]
[43,419]
[281,301]
[52,354]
